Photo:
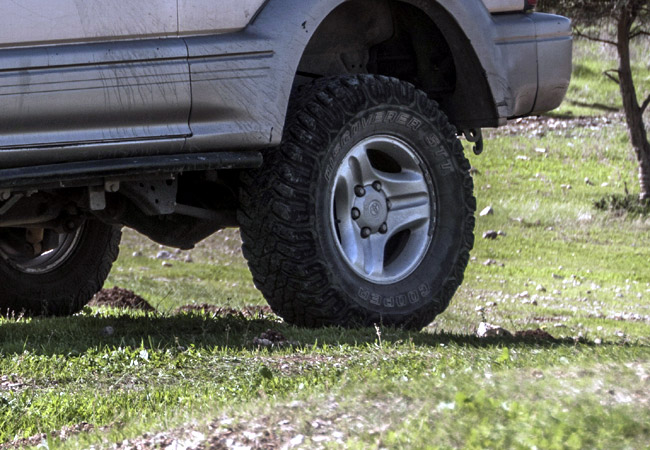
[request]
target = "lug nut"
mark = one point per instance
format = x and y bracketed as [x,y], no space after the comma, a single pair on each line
[359,191]
[376,186]
[383,229]
[355,213]
[389,204]
[365,233]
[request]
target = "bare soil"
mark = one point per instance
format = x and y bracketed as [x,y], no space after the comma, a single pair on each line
[120,298]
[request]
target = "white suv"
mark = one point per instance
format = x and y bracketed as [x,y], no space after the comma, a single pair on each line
[326,129]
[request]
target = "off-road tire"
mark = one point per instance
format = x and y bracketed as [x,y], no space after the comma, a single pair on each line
[287,232]
[70,284]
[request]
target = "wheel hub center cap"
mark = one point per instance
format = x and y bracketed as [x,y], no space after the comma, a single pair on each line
[373,208]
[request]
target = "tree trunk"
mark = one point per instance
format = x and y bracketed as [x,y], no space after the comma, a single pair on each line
[633,112]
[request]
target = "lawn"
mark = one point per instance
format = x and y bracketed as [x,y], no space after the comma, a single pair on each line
[570,284]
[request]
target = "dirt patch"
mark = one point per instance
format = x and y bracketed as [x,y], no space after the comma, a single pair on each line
[534,335]
[256,312]
[218,436]
[539,126]
[62,434]
[120,298]
[486,330]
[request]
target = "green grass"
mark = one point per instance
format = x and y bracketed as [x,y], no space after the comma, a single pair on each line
[218,274]
[579,273]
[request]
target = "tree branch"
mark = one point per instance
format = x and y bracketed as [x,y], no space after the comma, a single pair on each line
[608,74]
[645,104]
[594,38]
[636,34]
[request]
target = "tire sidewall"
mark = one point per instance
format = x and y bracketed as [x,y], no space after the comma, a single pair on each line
[422,288]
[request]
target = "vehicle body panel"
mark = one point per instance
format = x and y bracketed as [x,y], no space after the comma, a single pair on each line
[37,22]
[215,16]
[53,96]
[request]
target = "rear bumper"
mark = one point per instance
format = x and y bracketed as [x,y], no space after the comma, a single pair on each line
[554,56]
[536,50]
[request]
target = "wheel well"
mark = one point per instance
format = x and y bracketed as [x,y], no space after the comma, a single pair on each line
[397,39]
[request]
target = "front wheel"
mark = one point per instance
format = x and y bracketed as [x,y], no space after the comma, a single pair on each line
[60,280]
[365,214]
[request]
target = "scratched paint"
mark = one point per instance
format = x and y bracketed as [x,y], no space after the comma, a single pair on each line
[24,22]
[50,21]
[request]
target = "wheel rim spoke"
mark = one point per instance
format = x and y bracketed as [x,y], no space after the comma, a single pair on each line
[404,184]
[360,167]
[409,213]
[376,246]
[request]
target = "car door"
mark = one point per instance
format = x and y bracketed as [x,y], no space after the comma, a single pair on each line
[91,71]
[228,69]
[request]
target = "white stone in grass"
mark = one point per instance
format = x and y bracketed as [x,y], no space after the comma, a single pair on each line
[296,441]
[490,234]
[487,211]
[164,254]
[486,330]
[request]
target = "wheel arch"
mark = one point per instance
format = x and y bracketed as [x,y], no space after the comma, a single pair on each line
[464,31]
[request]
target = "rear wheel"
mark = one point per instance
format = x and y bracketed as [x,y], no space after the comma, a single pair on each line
[63,278]
[365,214]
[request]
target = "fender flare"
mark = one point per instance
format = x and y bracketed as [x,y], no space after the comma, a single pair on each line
[242,81]
[290,34]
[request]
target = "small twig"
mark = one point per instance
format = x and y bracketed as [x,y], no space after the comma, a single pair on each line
[636,34]
[612,77]
[378,330]
[594,38]
[645,104]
